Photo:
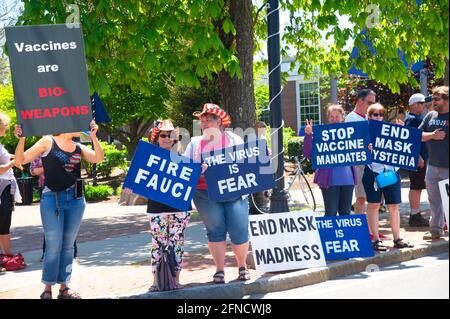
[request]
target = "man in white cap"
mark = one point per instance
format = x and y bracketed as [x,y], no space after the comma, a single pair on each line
[417,179]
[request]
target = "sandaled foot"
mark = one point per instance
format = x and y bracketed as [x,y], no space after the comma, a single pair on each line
[47,294]
[243,274]
[219,277]
[400,243]
[378,246]
[153,288]
[68,293]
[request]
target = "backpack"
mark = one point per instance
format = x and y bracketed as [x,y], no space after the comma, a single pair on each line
[14,262]
[165,271]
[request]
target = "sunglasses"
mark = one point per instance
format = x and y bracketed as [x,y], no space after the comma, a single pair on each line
[377,114]
[436,98]
[164,136]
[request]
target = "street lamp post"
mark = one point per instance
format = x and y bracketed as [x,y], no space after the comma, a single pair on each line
[279,202]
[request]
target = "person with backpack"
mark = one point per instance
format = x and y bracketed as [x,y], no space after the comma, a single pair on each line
[63,203]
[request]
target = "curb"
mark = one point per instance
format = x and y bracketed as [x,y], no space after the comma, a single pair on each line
[294,279]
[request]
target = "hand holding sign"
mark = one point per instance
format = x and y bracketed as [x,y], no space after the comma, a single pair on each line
[94,129]
[308,127]
[18,132]
[438,135]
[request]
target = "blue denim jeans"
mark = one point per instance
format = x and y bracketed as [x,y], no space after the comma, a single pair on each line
[338,199]
[225,217]
[61,224]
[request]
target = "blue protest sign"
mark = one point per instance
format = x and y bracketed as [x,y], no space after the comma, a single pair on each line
[395,144]
[345,237]
[238,170]
[163,176]
[341,144]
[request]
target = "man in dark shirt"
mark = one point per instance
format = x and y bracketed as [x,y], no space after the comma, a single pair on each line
[435,134]
[417,179]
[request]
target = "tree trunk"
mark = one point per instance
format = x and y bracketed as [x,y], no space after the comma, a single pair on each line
[237,95]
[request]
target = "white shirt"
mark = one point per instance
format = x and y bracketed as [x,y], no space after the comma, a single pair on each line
[354,117]
[9,175]
[4,159]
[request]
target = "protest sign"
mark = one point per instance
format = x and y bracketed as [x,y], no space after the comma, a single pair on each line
[341,144]
[285,241]
[395,144]
[163,176]
[443,188]
[345,236]
[48,67]
[238,170]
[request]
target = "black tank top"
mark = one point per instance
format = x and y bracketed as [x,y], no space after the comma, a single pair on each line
[61,168]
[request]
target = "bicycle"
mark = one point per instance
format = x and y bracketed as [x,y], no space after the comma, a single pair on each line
[261,201]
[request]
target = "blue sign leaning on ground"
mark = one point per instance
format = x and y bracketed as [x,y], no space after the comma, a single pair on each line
[341,144]
[345,237]
[163,176]
[395,145]
[239,170]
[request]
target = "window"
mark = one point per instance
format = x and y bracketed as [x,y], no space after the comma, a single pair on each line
[308,103]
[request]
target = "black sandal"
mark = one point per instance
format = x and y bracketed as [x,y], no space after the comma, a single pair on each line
[47,294]
[400,243]
[219,277]
[378,246]
[68,293]
[244,274]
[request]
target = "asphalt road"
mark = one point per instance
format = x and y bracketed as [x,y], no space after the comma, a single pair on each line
[424,278]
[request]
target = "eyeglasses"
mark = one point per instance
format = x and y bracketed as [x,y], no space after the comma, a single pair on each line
[377,114]
[164,136]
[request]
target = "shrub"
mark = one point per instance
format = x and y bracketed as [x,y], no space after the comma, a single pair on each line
[295,148]
[113,158]
[96,193]
[119,191]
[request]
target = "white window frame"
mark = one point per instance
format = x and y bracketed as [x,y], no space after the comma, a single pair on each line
[297,99]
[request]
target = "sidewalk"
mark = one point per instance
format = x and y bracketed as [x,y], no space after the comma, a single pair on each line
[114,244]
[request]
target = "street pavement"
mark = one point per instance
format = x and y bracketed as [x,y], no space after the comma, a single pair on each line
[114,259]
[423,278]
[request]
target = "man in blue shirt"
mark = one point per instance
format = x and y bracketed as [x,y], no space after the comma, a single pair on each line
[417,179]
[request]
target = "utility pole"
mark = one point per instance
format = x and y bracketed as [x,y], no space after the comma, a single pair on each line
[279,199]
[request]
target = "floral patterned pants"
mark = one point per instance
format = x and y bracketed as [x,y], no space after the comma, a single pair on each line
[168,229]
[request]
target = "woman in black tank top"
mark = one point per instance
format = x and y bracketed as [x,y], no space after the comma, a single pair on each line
[62,205]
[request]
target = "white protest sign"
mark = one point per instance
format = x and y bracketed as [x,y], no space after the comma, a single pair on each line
[443,187]
[285,241]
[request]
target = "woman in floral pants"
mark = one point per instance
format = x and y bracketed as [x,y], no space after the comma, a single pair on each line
[167,224]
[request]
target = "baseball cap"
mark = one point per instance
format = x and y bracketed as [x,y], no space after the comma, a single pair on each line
[416,98]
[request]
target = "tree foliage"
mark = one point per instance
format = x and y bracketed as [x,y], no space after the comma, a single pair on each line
[129,42]
[419,31]
[7,107]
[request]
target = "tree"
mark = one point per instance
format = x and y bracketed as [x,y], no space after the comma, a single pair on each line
[420,32]
[133,113]
[131,42]
[184,100]
[7,107]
